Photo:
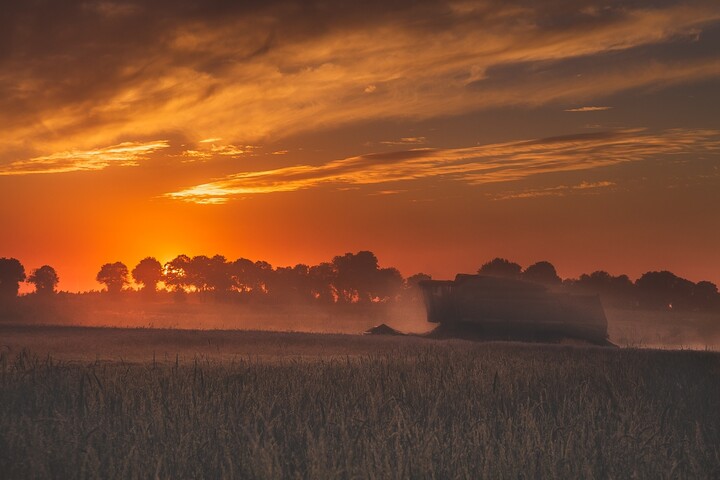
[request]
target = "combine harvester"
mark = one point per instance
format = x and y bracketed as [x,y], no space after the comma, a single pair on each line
[496,308]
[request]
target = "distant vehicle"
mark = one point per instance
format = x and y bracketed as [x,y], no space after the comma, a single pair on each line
[510,309]
[382,329]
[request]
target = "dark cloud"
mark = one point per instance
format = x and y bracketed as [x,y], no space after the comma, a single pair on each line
[90,72]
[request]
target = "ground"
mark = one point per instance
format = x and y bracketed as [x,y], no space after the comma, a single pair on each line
[129,403]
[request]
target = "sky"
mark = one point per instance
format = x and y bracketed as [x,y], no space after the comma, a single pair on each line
[438,134]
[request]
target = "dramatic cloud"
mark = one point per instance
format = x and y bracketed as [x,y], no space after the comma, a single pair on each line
[82,74]
[474,165]
[126,154]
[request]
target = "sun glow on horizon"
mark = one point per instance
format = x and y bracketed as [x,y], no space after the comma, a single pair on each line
[436,136]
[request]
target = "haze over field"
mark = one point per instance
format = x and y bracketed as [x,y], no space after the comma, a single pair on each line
[435,133]
[352,293]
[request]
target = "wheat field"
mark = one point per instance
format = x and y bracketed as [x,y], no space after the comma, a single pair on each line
[420,409]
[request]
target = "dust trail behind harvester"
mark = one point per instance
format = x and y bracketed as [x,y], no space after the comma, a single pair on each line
[166,312]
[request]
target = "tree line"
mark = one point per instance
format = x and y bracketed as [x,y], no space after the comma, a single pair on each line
[12,273]
[349,278]
[660,290]
[352,278]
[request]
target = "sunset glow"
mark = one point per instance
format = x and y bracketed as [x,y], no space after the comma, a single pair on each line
[438,134]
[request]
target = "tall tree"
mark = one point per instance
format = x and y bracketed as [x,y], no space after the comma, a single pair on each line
[413,281]
[542,272]
[355,275]
[148,273]
[208,273]
[412,289]
[177,273]
[114,276]
[217,274]
[199,271]
[291,284]
[11,274]
[665,290]
[705,295]
[243,275]
[220,274]
[618,291]
[322,279]
[388,284]
[265,274]
[500,267]
[359,279]
[45,280]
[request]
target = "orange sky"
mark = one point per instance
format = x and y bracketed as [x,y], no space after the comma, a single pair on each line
[438,134]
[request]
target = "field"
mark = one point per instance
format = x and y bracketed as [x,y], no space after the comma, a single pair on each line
[139,403]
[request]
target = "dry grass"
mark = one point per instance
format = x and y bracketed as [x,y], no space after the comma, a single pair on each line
[417,409]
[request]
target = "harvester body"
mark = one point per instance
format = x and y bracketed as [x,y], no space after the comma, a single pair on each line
[507,308]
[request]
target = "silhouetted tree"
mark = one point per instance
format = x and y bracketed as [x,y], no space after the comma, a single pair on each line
[176,273]
[209,274]
[705,295]
[413,280]
[291,283]
[358,278]
[243,275]
[264,276]
[618,291]
[114,276]
[148,273]
[500,267]
[665,290]
[388,284]
[412,288]
[11,274]
[322,278]
[219,277]
[45,280]
[354,276]
[198,272]
[542,272]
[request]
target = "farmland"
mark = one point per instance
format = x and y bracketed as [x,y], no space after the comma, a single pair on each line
[134,403]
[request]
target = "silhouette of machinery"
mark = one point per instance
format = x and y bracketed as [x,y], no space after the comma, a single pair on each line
[511,309]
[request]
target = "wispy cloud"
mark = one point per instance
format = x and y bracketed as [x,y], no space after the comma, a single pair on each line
[406,141]
[588,109]
[208,149]
[474,165]
[557,191]
[388,192]
[124,154]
